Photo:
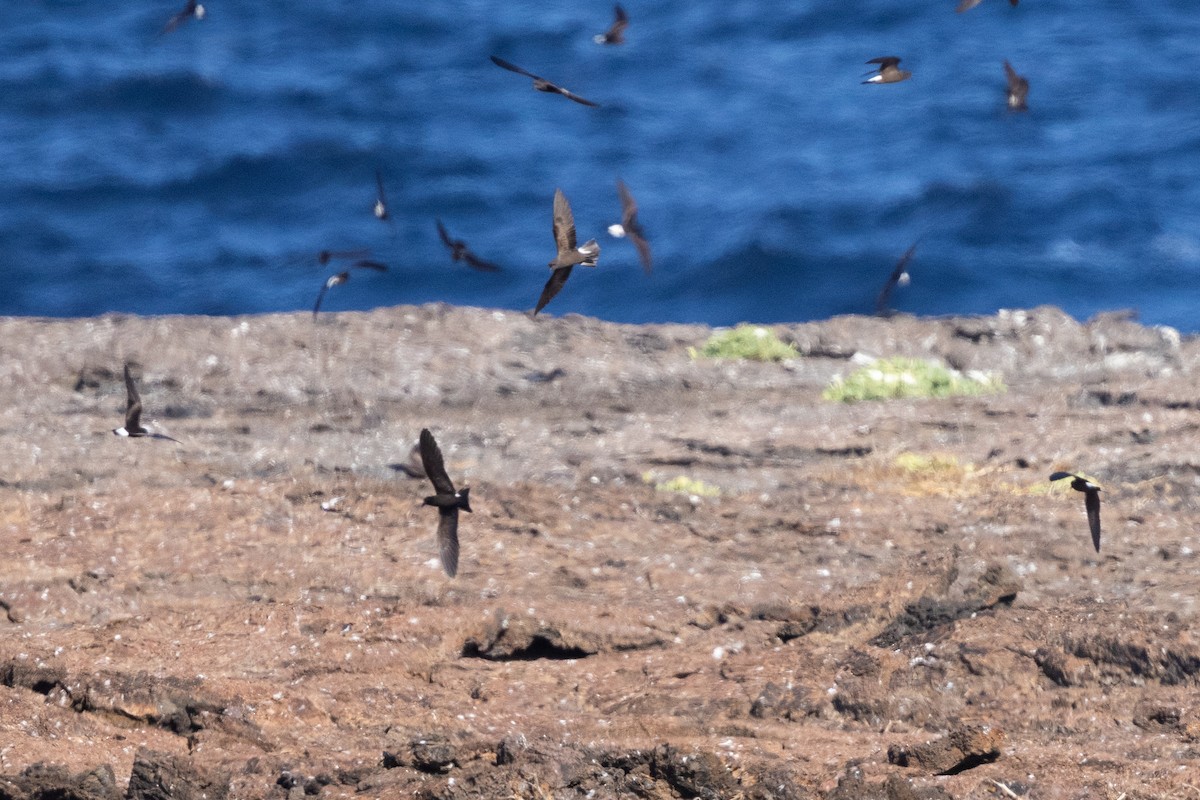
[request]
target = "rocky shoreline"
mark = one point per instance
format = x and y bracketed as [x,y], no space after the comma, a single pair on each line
[881,599]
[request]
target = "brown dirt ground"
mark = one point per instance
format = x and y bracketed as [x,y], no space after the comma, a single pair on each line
[264,600]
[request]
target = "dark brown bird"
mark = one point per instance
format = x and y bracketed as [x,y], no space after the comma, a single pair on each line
[568,254]
[380,209]
[190,11]
[899,277]
[1091,501]
[460,252]
[616,32]
[447,501]
[541,84]
[325,256]
[969,4]
[342,277]
[888,71]
[630,227]
[133,414]
[1018,88]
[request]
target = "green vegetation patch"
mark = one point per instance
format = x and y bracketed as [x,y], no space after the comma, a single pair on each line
[751,342]
[893,378]
[682,484]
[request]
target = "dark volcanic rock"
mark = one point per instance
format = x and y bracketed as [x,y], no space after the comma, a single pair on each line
[54,782]
[163,776]
[964,748]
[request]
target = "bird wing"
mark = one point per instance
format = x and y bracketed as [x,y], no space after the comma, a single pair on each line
[442,232]
[885,61]
[885,294]
[500,62]
[379,187]
[378,266]
[553,286]
[447,534]
[435,468]
[564,224]
[572,96]
[1015,82]
[1092,503]
[629,207]
[1058,476]
[968,4]
[643,248]
[478,263]
[320,297]
[133,403]
[620,16]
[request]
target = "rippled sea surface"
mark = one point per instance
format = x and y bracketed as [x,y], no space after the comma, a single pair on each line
[200,172]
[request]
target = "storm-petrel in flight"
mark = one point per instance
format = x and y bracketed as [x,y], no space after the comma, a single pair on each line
[380,208]
[899,277]
[447,501]
[629,226]
[460,252]
[133,413]
[616,32]
[888,71]
[969,4]
[568,255]
[192,9]
[541,84]
[1091,501]
[1018,88]
[342,277]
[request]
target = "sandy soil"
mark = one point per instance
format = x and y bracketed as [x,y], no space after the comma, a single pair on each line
[882,592]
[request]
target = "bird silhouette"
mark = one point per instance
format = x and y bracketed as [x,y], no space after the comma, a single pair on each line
[342,277]
[888,71]
[567,255]
[630,227]
[1018,88]
[446,500]
[133,414]
[616,32]
[193,10]
[899,277]
[460,252]
[541,84]
[1091,501]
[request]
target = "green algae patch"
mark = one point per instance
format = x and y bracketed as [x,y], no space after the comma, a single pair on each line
[747,342]
[900,378]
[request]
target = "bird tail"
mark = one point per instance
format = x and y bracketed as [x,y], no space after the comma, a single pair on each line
[464,501]
[592,252]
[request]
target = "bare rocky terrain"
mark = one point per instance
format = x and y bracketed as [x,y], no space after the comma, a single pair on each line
[886,599]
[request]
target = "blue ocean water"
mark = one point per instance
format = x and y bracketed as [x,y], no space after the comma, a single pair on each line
[201,171]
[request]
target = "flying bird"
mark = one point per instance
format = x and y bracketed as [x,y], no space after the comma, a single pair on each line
[969,4]
[342,277]
[541,84]
[899,277]
[446,500]
[567,255]
[133,413]
[629,226]
[1091,501]
[191,10]
[324,257]
[888,71]
[1018,88]
[460,252]
[380,208]
[616,32]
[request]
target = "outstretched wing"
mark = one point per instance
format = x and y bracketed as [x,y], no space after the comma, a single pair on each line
[478,263]
[968,4]
[435,468]
[447,534]
[1092,503]
[564,224]
[629,207]
[572,96]
[553,286]
[133,403]
[442,232]
[500,62]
